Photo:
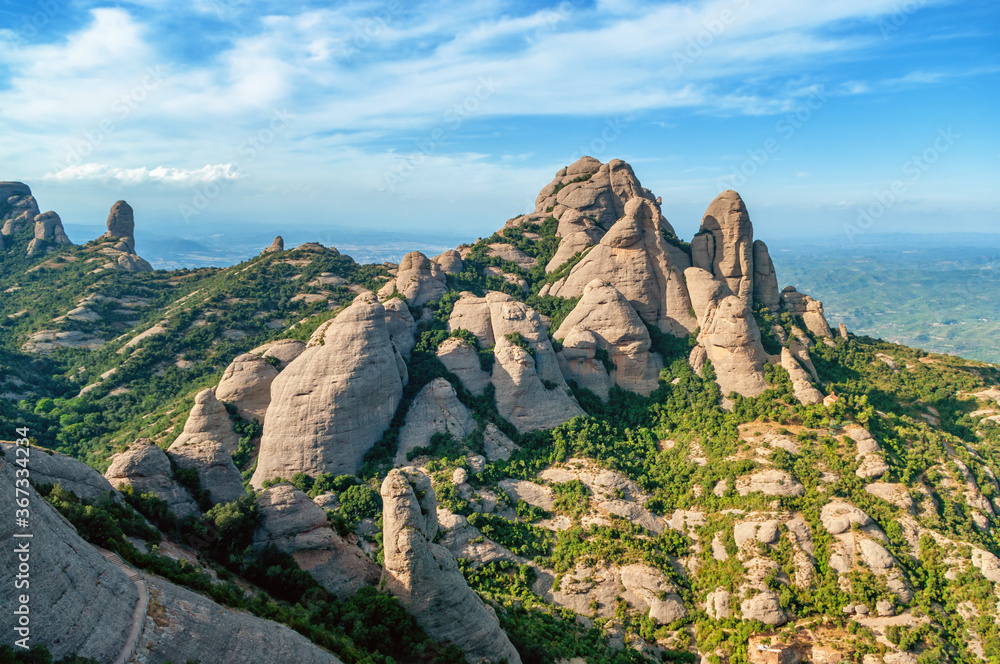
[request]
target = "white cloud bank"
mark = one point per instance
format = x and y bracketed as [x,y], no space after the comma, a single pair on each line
[141,175]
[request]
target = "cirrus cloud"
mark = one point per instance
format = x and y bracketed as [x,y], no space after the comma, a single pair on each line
[141,175]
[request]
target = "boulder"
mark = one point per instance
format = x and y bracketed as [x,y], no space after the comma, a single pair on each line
[717,604]
[987,563]
[764,532]
[460,358]
[298,526]
[876,557]
[121,227]
[765,607]
[450,262]
[435,409]
[402,327]
[729,334]
[48,467]
[425,577]
[838,517]
[765,280]
[724,247]
[121,222]
[283,350]
[604,322]
[80,604]
[508,252]
[770,483]
[146,468]
[498,445]
[896,494]
[335,400]
[652,587]
[420,280]
[209,421]
[216,471]
[246,383]
[276,246]
[636,259]
[805,392]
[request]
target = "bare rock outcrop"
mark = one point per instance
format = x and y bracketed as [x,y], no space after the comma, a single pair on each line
[729,334]
[298,526]
[48,467]
[596,190]
[146,468]
[770,483]
[121,223]
[216,471]
[246,384]
[282,350]
[120,239]
[765,606]
[652,587]
[460,358]
[497,444]
[209,421]
[435,409]
[277,246]
[724,245]
[636,259]
[419,280]
[49,234]
[765,280]
[522,398]
[22,207]
[805,392]
[508,252]
[335,400]
[80,604]
[450,262]
[425,577]
[472,313]
[604,325]
[402,328]
[576,232]
[809,309]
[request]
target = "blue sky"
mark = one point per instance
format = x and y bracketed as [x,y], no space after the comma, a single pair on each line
[831,118]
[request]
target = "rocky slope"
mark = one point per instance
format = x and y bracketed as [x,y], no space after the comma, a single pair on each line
[581,437]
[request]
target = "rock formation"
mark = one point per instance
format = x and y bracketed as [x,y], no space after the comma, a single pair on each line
[146,468]
[121,253]
[209,421]
[402,327]
[473,314]
[809,309]
[282,350]
[435,409]
[596,190]
[652,587]
[765,280]
[603,329]
[419,280]
[80,604]
[729,334]
[22,208]
[49,234]
[636,259]
[276,246]
[801,384]
[724,245]
[216,471]
[460,358]
[49,467]
[246,384]
[425,577]
[576,232]
[298,527]
[335,400]
[450,262]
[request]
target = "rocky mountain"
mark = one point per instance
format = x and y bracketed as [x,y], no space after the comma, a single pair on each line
[579,439]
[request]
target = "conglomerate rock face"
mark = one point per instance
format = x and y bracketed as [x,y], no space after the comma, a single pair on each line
[335,400]
[425,577]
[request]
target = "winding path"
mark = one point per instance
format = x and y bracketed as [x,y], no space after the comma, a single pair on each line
[139,612]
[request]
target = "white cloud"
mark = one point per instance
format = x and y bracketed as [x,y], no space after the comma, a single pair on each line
[132,176]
